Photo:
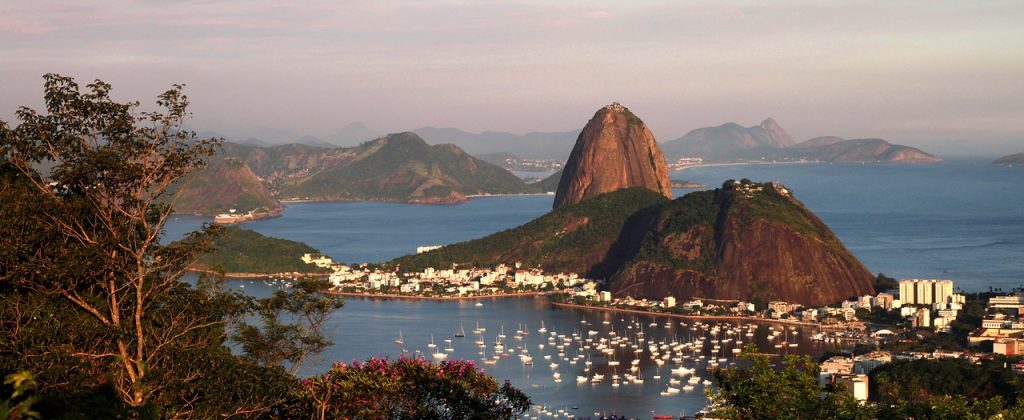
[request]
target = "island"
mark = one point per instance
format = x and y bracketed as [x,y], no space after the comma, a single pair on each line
[1011,160]
[248,254]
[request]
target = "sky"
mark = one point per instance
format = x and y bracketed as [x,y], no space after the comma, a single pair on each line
[946,76]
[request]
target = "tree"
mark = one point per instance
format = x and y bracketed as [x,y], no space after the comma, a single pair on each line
[86,244]
[292,324]
[411,388]
[761,392]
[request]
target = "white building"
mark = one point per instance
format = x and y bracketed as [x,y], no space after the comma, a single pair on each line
[925,292]
[669,302]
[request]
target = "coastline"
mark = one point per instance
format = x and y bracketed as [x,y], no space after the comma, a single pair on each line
[386,296]
[708,165]
[195,269]
[708,317]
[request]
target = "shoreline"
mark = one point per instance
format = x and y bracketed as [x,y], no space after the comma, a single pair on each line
[708,165]
[386,296]
[708,317]
[193,269]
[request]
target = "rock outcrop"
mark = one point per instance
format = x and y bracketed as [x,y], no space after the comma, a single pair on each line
[615,150]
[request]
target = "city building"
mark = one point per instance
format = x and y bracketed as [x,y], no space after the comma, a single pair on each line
[669,302]
[925,292]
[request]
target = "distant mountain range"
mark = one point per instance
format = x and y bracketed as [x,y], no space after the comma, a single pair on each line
[1010,160]
[398,167]
[728,142]
[524,146]
[769,141]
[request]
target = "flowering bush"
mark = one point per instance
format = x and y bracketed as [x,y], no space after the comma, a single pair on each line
[411,387]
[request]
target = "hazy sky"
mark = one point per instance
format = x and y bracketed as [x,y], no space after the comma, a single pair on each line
[947,76]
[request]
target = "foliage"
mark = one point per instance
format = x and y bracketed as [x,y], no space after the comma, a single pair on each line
[412,388]
[91,300]
[915,381]
[791,392]
[397,166]
[570,239]
[245,251]
[291,325]
[884,282]
[19,405]
[762,392]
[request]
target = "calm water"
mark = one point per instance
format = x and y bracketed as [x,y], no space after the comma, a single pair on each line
[962,220]
[420,321]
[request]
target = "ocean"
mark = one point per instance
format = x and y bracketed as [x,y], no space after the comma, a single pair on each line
[962,220]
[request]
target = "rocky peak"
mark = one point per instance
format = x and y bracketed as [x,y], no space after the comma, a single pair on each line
[615,150]
[775,134]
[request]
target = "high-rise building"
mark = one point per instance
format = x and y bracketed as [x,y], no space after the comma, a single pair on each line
[926,292]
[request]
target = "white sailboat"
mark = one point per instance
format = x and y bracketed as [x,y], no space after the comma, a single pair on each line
[400,340]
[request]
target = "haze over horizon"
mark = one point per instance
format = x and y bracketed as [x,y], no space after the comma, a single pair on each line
[943,76]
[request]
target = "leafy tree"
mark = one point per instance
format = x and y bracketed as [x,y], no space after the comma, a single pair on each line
[91,300]
[884,282]
[412,388]
[19,405]
[792,392]
[291,325]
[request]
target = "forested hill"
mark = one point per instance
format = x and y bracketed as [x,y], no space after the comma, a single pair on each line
[398,167]
[245,251]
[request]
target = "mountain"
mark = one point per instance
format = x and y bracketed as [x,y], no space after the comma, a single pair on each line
[726,140]
[398,167]
[224,185]
[1010,160]
[547,146]
[615,150]
[352,134]
[770,142]
[744,241]
[835,149]
[550,184]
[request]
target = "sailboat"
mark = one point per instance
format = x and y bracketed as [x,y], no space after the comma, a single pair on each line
[461,332]
[400,340]
[542,330]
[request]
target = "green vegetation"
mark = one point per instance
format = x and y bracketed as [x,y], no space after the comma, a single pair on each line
[884,282]
[399,166]
[412,388]
[918,381]
[696,210]
[227,184]
[92,303]
[792,392]
[573,238]
[923,389]
[244,251]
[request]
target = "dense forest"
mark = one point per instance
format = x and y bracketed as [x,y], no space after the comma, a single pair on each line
[240,250]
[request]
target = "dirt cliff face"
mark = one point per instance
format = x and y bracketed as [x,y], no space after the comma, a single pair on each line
[734,244]
[615,150]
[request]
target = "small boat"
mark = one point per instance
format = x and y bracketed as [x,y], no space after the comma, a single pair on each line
[542,329]
[399,340]
[461,332]
[479,304]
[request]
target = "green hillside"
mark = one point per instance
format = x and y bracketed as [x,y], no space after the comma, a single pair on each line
[245,251]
